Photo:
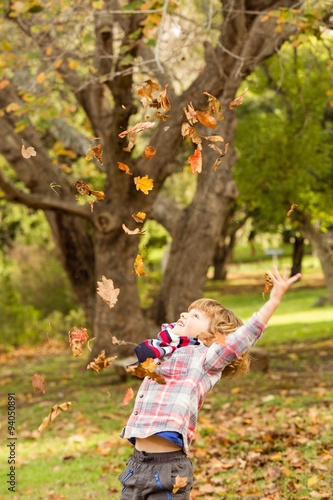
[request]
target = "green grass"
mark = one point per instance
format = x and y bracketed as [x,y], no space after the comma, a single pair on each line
[265,434]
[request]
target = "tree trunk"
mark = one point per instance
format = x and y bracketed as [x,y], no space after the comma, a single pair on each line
[323,250]
[298,254]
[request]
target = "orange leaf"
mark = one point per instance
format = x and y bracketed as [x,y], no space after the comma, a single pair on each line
[38,383]
[128,396]
[77,337]
[195,161]
[149,152]
[268,285]
[206,119]
[238,101]
[55,411]
[292,208]
[96,152]
[101,362]
[146,369]
[148,88]
[4,84]
[124,167]
[28,152]
[85,189]
[139,217]
[107,291]
[179,483]
[144,184]
[40,78]
[139,268]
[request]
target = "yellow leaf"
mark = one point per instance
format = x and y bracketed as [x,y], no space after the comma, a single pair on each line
[48,51]
[58,63]
[312,480]
[12,106]
[139,268]
[144,184]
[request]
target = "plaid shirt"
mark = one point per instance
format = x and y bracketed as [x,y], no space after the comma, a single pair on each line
[190,373]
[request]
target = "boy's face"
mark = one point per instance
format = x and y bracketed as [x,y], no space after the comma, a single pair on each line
[191,324]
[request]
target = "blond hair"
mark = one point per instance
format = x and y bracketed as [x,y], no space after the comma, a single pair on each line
[223,320]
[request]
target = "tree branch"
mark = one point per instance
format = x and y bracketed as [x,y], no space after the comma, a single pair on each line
[14,194]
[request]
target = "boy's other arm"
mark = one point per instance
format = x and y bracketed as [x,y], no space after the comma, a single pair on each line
[280,286]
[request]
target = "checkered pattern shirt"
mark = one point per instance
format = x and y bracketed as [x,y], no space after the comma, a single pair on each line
[190,373]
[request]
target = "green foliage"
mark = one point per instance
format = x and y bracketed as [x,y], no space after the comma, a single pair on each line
[285,145]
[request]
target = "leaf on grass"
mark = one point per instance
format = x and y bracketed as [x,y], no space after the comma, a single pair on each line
[146,369]
[238,101]
[144,184]
[149,152]
[95,152]
[4,83]
[134,231]
[180,482]
[28,152]
[77,337]
[195,161]
[124,167]
[139,217]
[55,411]
[38,383]
[268,285]
[85,189]
[107,291]
[139,268]
[292,208]
[101,362]
[129,394]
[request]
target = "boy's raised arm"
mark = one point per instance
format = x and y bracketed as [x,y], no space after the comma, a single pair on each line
[280,286]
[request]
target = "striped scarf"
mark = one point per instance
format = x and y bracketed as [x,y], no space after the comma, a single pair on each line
[166,343]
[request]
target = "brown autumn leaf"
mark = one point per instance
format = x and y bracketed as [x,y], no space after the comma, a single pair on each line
[101,362]
[139,268]
[134,231]
[146,369]
[180,482]
[190,113]
[215,107]
[28,152]
[148,88]
[55,411]
[187,130]
[115,341]
[95,152]
[161,116]
[85,189]
[129,394]
[268,285]
[38,383]
[221,154]
[139,217]
[131,141]
[238,101]
[163,99]
[124,167]
[107,291]
[77,337]
[149,152]
[195,161]
[139,127]
[292,208]
[206,119]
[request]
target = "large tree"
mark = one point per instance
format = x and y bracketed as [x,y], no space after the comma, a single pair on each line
[71,71]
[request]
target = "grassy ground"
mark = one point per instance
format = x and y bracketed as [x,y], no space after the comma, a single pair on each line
[267,436]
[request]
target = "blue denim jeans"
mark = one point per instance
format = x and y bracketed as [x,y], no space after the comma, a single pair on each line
[152,476]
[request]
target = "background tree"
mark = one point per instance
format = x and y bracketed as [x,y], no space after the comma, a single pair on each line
[70,79]
[290,158]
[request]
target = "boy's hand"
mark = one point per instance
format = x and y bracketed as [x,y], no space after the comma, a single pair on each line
[280,286]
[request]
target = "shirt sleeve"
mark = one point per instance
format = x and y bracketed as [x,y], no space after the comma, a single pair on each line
[217,356]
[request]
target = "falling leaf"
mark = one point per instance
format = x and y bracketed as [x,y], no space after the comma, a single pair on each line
[129,394]
[137,128]
[131,142]
[77,337]
[124,167]
[164,100]
[149,152]
[139,217]
[292,208]
[221,154]
[101,362]
[268,285]
[191,114]
[38,383]
[180,482]
[238,101]
[95,152]
[148,88]
[146,369]
[85,189]
[206,119]
[144,184]
[115,341]
[134,231]
[139,268]
[28,152]
[214,106]
[195,161]
[161,116]
[214,138]
[187,130]
[107,291]
[55,411]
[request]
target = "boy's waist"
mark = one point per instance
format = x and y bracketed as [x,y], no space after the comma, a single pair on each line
[155,444]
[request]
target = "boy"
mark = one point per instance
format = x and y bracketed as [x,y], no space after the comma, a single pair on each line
[191,360]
